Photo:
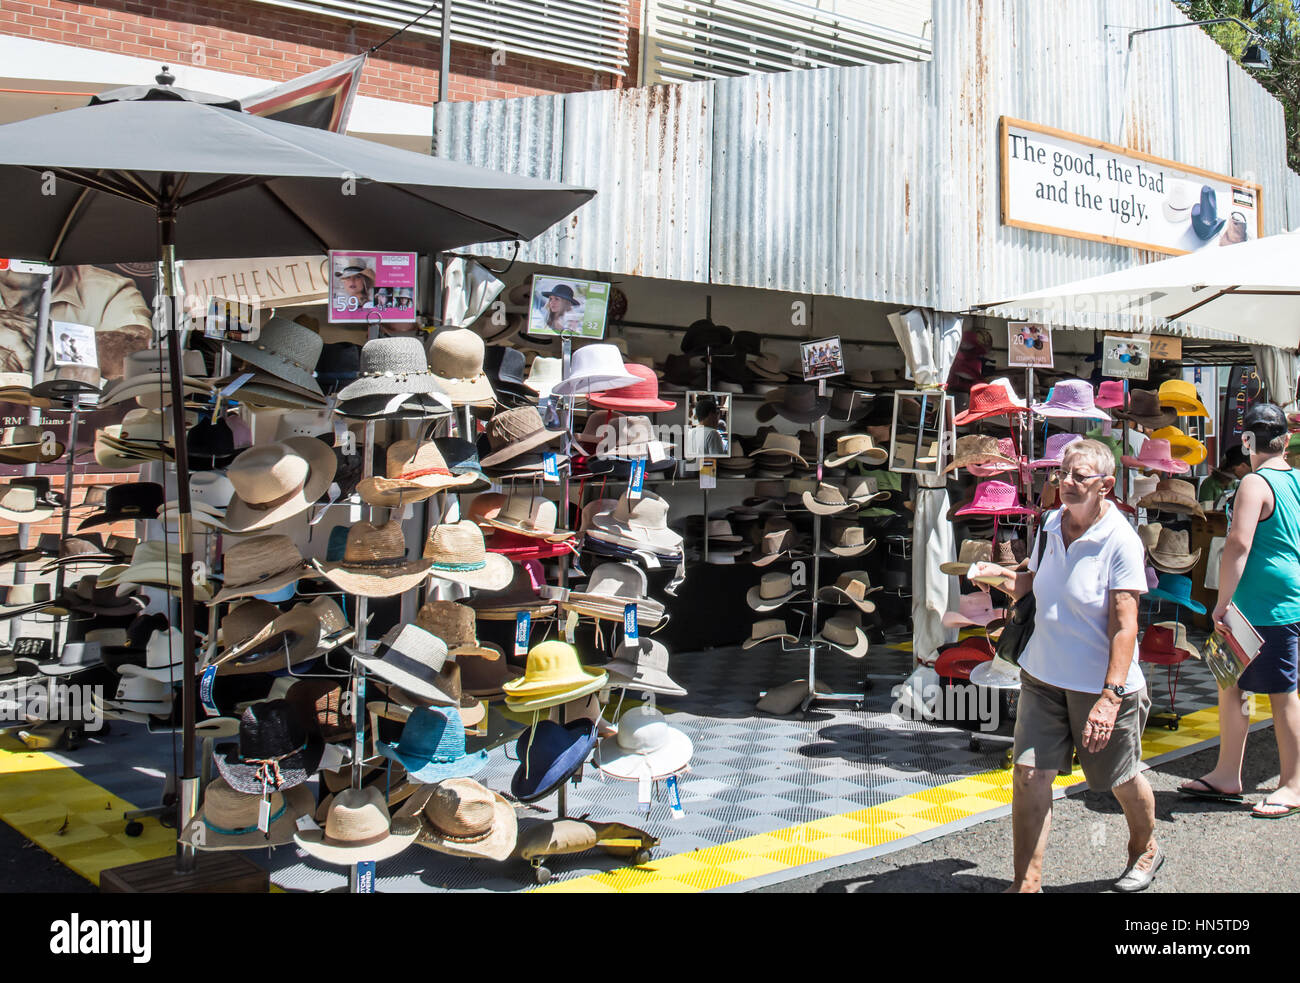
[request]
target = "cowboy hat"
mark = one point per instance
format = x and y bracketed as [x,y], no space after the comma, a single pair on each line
[374,562]
[228,819]
[462,818]
[274,482]
[260,565]
[416,470]
[358,829]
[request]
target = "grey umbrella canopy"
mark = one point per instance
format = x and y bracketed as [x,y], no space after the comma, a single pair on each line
[242,186]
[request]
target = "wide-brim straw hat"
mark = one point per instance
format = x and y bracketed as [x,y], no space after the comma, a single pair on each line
[358,829]
[267,392]
[287,350]
[374,563]
[392,366]
[305,631]
[257,467]
[456,552]
[494,841]
[260,565]
[216,830]
[416,471]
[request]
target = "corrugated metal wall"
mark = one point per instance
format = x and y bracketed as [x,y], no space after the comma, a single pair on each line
[879,183]
[1293,201]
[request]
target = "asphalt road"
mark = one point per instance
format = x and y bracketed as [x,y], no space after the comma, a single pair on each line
[1208,847]
[27,869]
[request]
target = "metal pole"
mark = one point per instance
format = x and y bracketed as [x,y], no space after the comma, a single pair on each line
[444,51]
[67,511]
[817,554]
[187,798]
[362,646]
[34,412]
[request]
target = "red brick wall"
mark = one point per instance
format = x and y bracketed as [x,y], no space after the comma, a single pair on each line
[277,44]
[55,523]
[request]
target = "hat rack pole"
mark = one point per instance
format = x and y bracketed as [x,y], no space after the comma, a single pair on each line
[817,556]
[362,646]
[704,492]
[68,470]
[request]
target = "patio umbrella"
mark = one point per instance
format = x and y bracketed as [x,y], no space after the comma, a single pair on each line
[152,172]
[1248,292]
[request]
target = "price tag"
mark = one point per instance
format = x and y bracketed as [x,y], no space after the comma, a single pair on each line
[629,622]
[306,823]
[264,814]
[206,682]
[234,385]
[637,480]
[708,473]
[570,626]
[366,877]
[675,798]
[29,647]
[523,629]
[550,467]
[332,758]
[643,793]
[657,452]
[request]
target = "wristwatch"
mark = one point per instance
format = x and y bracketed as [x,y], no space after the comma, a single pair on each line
[1117,688]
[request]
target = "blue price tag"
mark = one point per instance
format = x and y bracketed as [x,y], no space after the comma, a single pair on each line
[629,622]
[523,629]
[360,718]
[550,468]
[637,480]
[366,877]
[674,797]
[205,691]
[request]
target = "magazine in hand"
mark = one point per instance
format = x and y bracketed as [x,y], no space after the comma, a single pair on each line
[1229,655]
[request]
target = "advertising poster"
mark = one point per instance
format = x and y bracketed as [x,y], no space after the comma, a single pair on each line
[565,306]
[1071,185]
[365,283]
[1029,346]
[1125,358]
[74,344]
[822,359]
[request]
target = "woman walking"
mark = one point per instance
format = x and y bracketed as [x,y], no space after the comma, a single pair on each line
[1260,573]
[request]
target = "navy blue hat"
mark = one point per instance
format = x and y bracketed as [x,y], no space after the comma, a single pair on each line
[548,754]
[1205,215]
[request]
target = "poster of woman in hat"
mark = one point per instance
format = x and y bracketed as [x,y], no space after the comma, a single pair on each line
[822,359]
[568,307]
[362,282]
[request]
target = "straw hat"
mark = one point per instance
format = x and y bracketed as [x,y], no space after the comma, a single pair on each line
[844,632]
[972,551]
[274,482]
[645,746]
[610,588]
[456,361]
[519,595]
[228,819]
[553,675]
[374,562]
[456,553]
[432,746]
[460,817]
[1171,553]
[640,523]
[1185,448]
[455,624]
[260,565]
[286,639]
[977,448]
[286,349]
[851,447]
[357,829]
[416,470]
[1173,495]
[851,587]
[391,366]
[641,396]
[643,665]
[274,751]
[21,503]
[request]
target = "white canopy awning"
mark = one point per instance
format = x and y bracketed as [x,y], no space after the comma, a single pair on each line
[1247,293]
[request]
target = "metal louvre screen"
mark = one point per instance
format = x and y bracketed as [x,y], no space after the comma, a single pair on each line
[584,33]
[696,41]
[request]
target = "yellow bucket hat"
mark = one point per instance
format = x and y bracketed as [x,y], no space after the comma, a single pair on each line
[553,670]
[1184,448]
[1183,397]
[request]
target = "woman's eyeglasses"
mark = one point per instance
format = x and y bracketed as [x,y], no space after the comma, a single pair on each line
[1057,476]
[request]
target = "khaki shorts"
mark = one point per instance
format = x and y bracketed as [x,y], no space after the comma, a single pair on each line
[1049,726]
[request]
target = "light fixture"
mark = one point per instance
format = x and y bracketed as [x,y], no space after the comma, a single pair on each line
[1256,56]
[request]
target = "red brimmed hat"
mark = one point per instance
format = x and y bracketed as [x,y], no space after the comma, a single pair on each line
[957,661]
[518,548]
[987,399]
[640,397]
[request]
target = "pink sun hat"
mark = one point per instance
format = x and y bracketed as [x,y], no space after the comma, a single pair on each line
[974,610]
[1156,455]
[1110,394]
[1052,453]
[1007,448]
[1071,399]
[995,498]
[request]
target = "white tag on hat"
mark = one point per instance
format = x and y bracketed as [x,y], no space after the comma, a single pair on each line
[332,758]
[637,480]
[332,496]
[523,629]
[708,474]
[264,814]
[657,452]
[234,385]
[407,512]
[570,626]
[306,823]
[205,691]
[643,793]
[675,798]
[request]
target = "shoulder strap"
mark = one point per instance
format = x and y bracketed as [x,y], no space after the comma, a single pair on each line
[1042,541]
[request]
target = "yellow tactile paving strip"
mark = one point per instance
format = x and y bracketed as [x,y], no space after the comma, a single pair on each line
[851,832]
[81,824]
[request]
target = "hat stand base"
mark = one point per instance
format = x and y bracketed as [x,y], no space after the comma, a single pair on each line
[224,872]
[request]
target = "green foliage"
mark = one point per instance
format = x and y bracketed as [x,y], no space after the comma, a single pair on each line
[1278,21]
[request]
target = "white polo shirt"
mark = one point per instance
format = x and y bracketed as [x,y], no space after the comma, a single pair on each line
[1070,646]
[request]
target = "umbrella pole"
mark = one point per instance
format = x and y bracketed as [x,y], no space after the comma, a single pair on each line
[187,803]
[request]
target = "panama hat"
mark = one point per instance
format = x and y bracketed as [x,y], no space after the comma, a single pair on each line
[26,445]
[228,819]
[972,551]
[393,366]
[274,482]
[1173,495]
[543,374]
[432,746]
[844,632]
[548,754]
[772,591]
[22,504]
[646,746]
[595,368]
[462,818]
[1146,410]
[275,750]
[455,552]
[260,565]
[1185,448]
[996,674]
[287,350]
[414,659]
[1182,397]
[534,517]
[416,470]
[358,829]
[1171,554]
[553,675]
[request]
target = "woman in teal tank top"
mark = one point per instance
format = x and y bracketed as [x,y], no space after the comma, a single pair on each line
[1260,573]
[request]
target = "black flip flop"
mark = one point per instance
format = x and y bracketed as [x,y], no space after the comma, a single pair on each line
[1211,793]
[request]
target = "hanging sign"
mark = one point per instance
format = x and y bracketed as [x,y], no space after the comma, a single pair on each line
[523,628]
[74,344]
[362,283]
[637,480]
[1125,358]
[366,877]
[1071,185]
[708,473]
[206,682]
[566,306]
[822,359]
[1029,346]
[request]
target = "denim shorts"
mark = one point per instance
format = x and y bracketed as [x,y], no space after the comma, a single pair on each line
[1274,668]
